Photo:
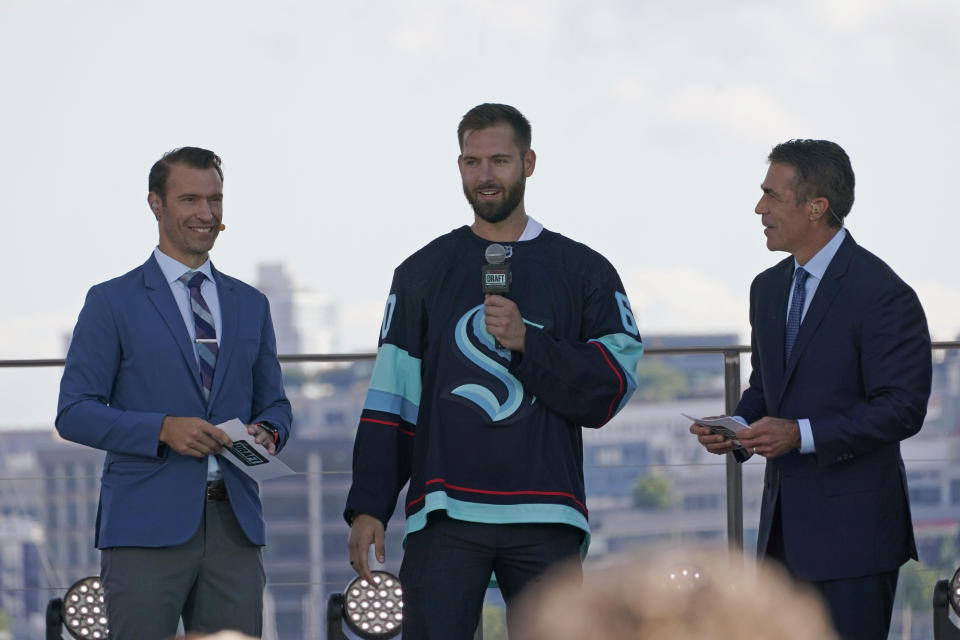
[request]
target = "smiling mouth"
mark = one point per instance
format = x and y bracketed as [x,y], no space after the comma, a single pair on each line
[205,229]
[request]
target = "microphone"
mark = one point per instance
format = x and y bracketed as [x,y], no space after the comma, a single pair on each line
[222,227]
[496,276]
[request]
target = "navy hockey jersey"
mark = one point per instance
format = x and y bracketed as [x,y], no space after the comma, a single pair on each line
[487,434]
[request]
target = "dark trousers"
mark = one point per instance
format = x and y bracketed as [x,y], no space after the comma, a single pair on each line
[861,607]
[447,565]
[215,581]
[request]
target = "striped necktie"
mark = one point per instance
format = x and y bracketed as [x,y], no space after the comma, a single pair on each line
[796,310]
[206,341]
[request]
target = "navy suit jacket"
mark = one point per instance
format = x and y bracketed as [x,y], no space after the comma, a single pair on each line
[130,364]
[860,370]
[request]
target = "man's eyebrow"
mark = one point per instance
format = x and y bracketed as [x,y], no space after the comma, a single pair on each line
[212,196]
[466,156]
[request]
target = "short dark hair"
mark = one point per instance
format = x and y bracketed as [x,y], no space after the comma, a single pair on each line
[823,170]
[193,157]
[488,115]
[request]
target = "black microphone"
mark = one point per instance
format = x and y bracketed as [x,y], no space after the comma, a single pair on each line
[496,277]
[496,274]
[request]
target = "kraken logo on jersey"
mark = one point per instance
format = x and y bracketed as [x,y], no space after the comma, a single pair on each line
[472,322]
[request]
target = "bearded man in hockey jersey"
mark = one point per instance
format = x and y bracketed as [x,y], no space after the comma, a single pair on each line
[477,399]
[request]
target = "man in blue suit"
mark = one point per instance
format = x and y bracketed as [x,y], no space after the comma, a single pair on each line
[159,356]
[841,374]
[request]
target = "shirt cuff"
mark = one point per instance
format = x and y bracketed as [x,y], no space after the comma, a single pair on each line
[806,436]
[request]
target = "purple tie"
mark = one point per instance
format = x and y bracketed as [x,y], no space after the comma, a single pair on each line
[796,310]
[206,342]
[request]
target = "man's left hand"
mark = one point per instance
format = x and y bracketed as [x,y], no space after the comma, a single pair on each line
[771,437]
[504,322]
[263,436]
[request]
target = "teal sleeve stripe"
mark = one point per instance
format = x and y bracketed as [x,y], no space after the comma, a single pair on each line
[396,374]
[626,351]
[390,403]
[498,514]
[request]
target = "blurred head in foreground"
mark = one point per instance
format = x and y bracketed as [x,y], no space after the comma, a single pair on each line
[671,594]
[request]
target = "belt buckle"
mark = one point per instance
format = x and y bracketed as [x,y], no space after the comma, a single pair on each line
[216,491]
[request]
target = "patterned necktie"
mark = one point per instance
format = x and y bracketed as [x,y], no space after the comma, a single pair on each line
[796,310]
[206,342]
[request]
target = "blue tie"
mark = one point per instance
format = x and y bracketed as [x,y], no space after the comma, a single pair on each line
[796,310]
[206,342]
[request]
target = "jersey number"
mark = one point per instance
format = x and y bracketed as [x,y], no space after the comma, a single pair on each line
[388,315]
[626,314]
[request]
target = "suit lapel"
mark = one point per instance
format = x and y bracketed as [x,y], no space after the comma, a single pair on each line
[823,299]
[229,328]
[158,291]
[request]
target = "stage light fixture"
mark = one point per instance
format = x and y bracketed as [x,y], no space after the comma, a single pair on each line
[946,594]
[371,609]
[955,592]
[82,611]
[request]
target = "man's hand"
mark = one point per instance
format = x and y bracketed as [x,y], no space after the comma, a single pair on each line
[712,442]
[193,436]
[504,322]
[364,531]
[264,437]
[771,437]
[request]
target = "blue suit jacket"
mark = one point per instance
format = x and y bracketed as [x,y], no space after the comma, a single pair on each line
[860,370]
[130,364]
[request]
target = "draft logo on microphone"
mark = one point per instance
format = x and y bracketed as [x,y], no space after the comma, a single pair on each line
[494,280]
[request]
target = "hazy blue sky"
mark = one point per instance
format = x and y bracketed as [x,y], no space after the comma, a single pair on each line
[336,123]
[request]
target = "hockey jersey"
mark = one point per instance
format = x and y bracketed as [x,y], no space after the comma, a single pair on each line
[487,434]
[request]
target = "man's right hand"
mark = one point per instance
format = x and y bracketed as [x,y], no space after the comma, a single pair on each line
[364,531]
[193,436]
[712,442]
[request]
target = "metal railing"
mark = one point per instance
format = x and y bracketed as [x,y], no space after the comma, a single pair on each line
[731,356]
[731,379]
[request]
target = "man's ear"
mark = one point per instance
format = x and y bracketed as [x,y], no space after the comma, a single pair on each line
[529,162]
[154,202]
[819,207]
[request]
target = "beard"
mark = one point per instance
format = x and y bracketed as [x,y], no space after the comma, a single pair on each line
[494,212]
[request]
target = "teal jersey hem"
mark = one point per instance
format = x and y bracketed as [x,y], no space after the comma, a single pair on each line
[498,514]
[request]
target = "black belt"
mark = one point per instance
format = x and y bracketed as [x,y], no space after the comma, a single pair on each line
[216,491]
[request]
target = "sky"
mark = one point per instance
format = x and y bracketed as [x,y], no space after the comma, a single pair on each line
[336,122]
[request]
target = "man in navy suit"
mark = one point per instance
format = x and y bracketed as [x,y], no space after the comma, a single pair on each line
[841,374]
[160,356]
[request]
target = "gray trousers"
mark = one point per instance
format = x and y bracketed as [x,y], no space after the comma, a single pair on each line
[215,581]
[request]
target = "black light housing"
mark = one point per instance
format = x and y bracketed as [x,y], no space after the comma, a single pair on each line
[946,595]
[371,610]
[82,611]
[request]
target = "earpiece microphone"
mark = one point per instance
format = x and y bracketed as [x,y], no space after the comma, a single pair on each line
[222,227]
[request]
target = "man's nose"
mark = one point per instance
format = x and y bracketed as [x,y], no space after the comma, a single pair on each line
[486,171]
